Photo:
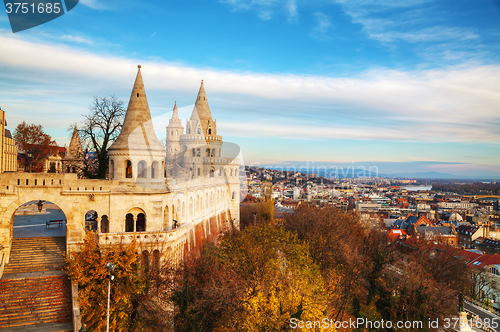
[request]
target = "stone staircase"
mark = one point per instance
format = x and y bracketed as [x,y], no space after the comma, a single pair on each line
[36,254]
[35,295]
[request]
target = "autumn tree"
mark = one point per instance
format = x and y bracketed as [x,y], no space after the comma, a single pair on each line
[336,242]
[36,144]
[256,279]
[87,267]
[100,129]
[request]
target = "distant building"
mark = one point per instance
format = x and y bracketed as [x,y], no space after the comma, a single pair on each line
[8,149]
[467,235]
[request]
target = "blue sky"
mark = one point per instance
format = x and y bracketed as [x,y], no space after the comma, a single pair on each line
[407,86]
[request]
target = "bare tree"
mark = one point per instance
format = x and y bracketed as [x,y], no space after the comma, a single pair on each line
[100,129]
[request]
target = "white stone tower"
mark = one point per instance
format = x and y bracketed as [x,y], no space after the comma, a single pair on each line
[201,144]
[137,157]
[174,132]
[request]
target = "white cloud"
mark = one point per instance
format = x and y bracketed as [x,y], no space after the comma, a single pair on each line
[415,22]
[457,104]
[266,9]
[432,34]
[324,24]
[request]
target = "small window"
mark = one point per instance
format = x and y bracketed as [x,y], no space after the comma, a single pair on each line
[141,170]
[209,131]
[137,94]
[128,169]
[194,152]
[198,171]
[198,152]
[199,131]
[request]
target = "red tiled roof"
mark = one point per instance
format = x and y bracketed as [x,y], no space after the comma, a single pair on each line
[395,234]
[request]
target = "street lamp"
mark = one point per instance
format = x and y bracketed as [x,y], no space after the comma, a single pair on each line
[111,267]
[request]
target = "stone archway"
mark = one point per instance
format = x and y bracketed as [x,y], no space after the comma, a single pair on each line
[74,228]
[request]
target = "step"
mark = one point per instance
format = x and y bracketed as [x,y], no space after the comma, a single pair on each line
[35,301]
[45,327]
[36,254]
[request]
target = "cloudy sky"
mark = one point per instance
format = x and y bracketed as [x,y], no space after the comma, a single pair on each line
[407,86]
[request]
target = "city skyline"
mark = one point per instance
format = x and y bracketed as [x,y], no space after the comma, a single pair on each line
[408,87]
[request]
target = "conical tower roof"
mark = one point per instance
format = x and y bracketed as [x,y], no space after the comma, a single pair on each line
[137,132]
[201,109]
[75,146]
[175,121]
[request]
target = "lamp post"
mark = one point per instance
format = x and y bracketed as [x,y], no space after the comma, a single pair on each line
[111,267]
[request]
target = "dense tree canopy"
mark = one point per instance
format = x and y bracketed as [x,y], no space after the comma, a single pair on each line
[254,280]
[87,268]
[36,144]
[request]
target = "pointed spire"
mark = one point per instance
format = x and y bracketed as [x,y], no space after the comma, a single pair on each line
[175,121]
[137,131]
[201,109]
[176,112]
[74,149]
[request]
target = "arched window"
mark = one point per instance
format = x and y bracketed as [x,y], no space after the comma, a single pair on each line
[140,225]
[73,169]
[233,196]
[199,131]
[141,170]
[194,152]
[213,152]
[129,223]
[154,168]
[208,152]
[104,224]
[111,169]
[209,131]
[199,171]
[176,133]
[198,152]
[128,169]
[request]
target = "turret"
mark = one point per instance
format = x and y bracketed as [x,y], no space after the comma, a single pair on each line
[174,132]
[137,155]
[73,158]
